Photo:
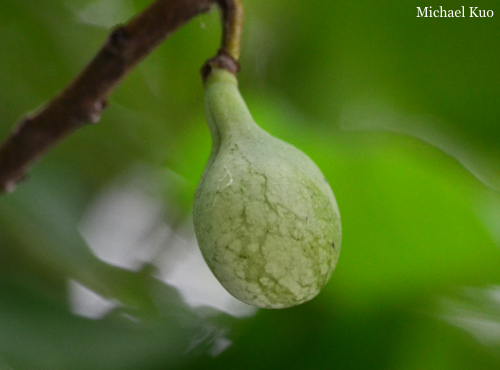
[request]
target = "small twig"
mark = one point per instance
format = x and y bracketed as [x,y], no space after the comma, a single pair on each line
[85,98]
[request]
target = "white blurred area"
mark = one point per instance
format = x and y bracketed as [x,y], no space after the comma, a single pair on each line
[103,13]
[86,303]
[122,226]
[125,226]
[478,313]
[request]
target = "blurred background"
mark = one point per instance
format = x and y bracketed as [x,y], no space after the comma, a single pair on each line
[99,266]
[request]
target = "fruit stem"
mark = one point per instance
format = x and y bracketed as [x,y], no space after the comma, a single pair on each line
[232,14]
[228,55]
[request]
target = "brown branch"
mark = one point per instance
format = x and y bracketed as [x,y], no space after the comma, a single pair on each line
[85,98]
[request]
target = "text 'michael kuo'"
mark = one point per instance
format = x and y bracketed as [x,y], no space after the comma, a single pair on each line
[474,12]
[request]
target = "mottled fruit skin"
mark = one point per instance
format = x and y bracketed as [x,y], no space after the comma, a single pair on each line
[266,220]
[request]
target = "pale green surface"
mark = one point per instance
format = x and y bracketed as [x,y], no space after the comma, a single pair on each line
[265,217]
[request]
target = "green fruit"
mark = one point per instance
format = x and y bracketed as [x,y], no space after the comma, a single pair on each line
[266,220]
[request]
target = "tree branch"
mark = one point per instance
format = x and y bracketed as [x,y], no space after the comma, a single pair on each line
[83,100]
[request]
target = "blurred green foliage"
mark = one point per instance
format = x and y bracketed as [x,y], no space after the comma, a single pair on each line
[401,114]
